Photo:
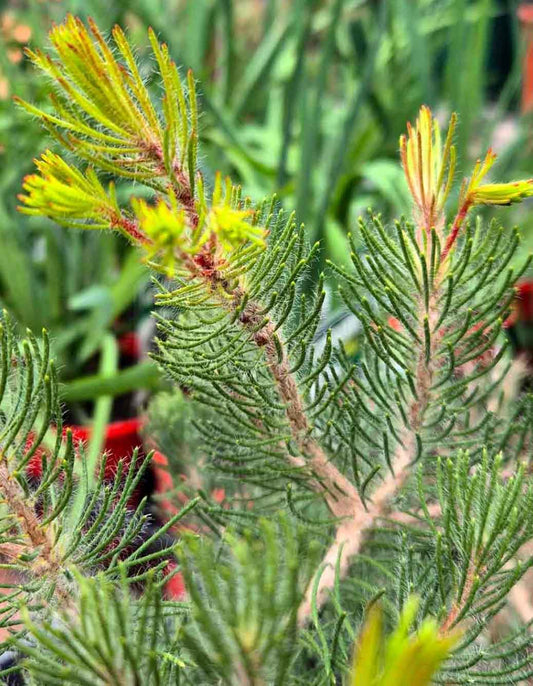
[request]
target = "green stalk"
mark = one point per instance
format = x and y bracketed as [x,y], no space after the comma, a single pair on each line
[143,375]
[102,415]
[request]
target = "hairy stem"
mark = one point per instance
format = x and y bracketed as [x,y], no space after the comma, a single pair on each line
[18,503]
[359,519]
[340,495]
[451,618]
[48,563]
[456,226]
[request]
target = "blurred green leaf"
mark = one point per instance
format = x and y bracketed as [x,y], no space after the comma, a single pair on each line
[92,297]
[142,375]
[258,68]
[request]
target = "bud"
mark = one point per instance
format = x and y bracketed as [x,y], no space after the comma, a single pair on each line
[166,228]
[502,193]
[429,166]
[230,225]
[403,658]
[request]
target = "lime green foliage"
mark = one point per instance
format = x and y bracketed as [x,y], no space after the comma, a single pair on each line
[104,113]
[429,168]
[166,229]
[170,234]
[502,193]
[403,658]
[229,224]
[105,110]
[477,193]
[68,195]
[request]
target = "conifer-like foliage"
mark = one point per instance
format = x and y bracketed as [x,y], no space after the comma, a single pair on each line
[351,483]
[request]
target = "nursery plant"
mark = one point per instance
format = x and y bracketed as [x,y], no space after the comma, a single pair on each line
[378,515]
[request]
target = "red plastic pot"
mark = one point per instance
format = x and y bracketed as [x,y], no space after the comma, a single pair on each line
[129,345]
[121,440]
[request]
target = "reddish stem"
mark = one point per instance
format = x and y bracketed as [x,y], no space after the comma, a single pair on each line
[457,223]
[130,227]
[183,189]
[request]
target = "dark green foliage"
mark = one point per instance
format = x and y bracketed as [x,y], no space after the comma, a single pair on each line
[245,592]
[54,519]
[116,639]
[459,333]
[213,352]
[460,557]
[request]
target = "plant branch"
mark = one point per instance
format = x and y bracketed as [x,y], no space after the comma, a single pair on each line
[48,563]
[454,614]
[456,226]
[22,508]
[359,519]
[339,493]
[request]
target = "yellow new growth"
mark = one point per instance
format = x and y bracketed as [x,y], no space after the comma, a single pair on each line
[166,228]
[103,111]
[67,195]
[90,75]
[494,193]
[429,166]
[403,658]
[228,224]
[232,229]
